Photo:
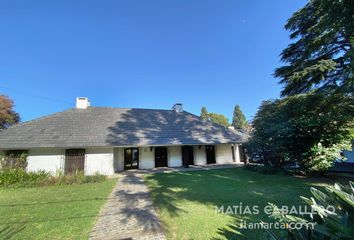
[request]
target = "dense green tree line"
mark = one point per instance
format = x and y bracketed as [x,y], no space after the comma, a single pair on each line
[238,118]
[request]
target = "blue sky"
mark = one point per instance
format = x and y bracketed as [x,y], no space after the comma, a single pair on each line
[146,54]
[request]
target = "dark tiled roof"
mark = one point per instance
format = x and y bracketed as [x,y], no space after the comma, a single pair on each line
[99,126]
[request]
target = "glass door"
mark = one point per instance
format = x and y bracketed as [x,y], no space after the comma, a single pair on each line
[131,158]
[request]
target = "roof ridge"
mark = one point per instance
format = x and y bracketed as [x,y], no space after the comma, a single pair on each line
[159,109]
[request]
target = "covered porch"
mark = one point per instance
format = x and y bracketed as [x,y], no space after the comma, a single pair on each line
[151,157]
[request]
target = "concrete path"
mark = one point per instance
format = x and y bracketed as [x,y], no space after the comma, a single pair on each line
[129,213]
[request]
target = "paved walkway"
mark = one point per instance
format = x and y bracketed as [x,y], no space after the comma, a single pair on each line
[128,213]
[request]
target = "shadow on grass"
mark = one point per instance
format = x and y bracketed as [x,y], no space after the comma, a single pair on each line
[8,231]
[224,187]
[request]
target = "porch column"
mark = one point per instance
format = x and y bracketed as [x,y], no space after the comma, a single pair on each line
[237,153]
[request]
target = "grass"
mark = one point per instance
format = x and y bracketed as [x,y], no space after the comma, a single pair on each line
[186,201]
[54,212]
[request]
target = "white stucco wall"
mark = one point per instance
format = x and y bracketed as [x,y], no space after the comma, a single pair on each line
[147,158]
[223,153]
[108,160]
[237,153]
[99,160]
[199,155]
[47,159]
[118,159]
[174,156]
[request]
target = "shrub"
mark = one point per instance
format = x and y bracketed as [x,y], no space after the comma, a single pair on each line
[328,224]
[14,159]
[95,178]
[77,177]
[19,177]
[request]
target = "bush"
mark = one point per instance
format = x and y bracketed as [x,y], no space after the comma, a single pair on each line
[95,178]
[77,177]
[14,159]
[21,178]
[333,216]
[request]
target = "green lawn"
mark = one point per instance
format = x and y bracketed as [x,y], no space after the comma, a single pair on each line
[55,212]
[186,201]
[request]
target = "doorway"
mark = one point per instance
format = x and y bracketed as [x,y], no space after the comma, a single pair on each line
[131,158]
[187,156]
[160,156]
[210,154]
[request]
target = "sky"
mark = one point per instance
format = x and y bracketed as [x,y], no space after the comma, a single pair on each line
[142,54]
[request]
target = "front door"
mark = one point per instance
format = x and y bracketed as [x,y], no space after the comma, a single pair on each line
[74,160]
[160,157]
[241,149]
[187,156]
[210,154]
[131,158]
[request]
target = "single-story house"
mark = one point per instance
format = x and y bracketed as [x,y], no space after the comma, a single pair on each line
[106,140]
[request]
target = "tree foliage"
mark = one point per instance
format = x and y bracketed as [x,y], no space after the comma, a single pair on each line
[311,129]
[204,113]
[321,55]
[238,119]
[332,218]
[7,114]
[214,117]
[313,122]
[219,119]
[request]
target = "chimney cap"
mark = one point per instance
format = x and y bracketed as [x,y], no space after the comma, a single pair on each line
[178,107]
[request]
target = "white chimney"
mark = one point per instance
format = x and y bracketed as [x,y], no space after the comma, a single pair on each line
[82,102]
[178,107]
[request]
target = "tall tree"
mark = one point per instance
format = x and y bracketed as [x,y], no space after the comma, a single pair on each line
[321,56]
[7,114]
[204,113]
[238,119]
[219,119]
[313,122]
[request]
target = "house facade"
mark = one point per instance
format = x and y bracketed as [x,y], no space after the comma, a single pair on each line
[106,140]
